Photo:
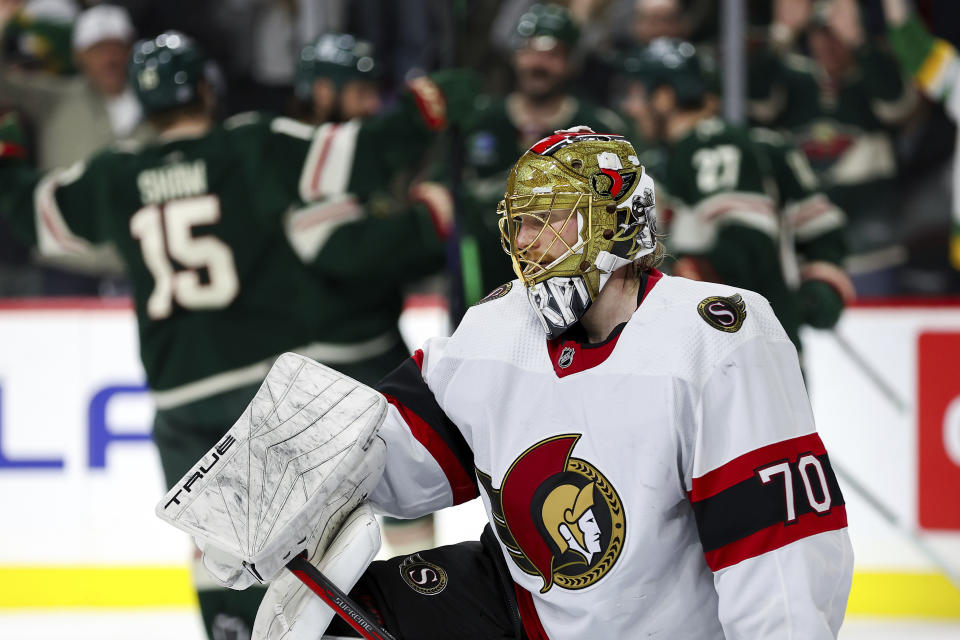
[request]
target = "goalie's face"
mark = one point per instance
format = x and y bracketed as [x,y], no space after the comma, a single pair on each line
[545,236]
[541,232]
[577,207]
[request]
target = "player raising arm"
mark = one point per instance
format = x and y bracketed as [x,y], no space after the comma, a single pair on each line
[643,446]
[935,67]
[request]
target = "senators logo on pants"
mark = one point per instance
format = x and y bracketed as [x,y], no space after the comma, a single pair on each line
[558,516]
[423,577]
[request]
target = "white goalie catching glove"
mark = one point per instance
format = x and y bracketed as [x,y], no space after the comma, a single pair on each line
[291,611]
[283,479]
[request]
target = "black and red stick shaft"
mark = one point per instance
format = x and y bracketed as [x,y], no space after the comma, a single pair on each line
[340,602]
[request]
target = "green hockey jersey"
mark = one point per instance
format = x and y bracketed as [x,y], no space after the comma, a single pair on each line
[934,65]
[229,264]
[812,241]
[720,222]
[843,127]
[494,142]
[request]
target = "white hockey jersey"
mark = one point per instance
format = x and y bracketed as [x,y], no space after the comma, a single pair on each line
[668,483]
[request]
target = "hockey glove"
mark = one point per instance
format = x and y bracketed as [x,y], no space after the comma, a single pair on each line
[820,304]
[291,611]
[439,204]
[445,97]
[283,479]
[825,291]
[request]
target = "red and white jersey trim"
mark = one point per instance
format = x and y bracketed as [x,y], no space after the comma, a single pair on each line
[813,217]
[832,275]
[309,228]
[54,237]
[329,161]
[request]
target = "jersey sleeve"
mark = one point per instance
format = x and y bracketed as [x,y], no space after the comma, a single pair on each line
[718,176]
[892,97]
[813,221]
[327,236]
[724,226]
[769,510]
[429,462]
[932,62]
[356,157]
[56,212]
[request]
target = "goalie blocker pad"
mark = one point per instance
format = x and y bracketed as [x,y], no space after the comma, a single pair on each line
[265,489]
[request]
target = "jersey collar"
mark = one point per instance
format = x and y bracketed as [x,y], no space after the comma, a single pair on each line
[570,353]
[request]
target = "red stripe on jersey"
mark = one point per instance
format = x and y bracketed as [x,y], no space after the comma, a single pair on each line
[569,357]
[418,358]
[430,101]
[811,209]
[322,160]
[61,235]
[743,467]
[327,213]
[652,279]
[461,484]
[724,205]
[776,536]
[528,615]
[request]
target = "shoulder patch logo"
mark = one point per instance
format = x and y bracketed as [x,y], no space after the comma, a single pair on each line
[558,516]
[423,577]
[499,292]
[722,313]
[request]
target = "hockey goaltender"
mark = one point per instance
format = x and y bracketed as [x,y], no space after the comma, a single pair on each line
[643,445]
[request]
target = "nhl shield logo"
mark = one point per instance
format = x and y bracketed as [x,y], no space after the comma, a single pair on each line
[558,516]
[566,357]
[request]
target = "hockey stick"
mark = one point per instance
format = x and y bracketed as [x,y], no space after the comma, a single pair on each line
[340,602]
[870,372]
[456,295]
[912,536]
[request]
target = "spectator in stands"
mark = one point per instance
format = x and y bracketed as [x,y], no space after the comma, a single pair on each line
[336,80]
[658,19]
[839,104]
[78,115]
[935,67]
[719,220]
[75,116]
[503,128]
[38,36]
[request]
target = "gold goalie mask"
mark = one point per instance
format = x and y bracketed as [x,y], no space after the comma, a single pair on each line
[578,207]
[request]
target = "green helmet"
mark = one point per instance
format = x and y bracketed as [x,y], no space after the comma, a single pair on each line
[546,25]
[337,56]
[166,71]
[672,63]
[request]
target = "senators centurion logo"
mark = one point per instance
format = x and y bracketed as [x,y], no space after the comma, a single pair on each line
[558,516]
